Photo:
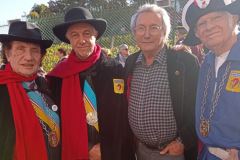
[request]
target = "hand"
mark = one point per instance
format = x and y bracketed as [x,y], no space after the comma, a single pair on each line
[233,154]
[95,153]
[182,47]
[174,148]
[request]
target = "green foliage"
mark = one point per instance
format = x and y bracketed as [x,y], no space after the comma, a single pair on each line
[38,10]
[33,15]
[50,59]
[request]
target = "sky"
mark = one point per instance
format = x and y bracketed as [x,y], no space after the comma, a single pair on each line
[14,9]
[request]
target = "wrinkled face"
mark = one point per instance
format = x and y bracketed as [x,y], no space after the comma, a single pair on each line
[124,52]
[153,38]
[216,29]
[82,37]
[24,58]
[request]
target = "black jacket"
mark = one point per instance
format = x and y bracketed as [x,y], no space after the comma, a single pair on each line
[182,71]
[7,127]
[114,130]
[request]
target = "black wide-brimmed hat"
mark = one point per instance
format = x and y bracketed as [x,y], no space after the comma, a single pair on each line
[195,9]
[79,15]
[25,32]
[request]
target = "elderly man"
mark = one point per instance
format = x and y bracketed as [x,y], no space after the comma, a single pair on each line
[89,86]
[217,106]
[162,89]
[29,123]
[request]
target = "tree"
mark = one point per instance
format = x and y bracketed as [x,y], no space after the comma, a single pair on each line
[38,10]
[57,6]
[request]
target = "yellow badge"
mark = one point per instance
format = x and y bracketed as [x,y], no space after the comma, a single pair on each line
[233,84]
[118,85]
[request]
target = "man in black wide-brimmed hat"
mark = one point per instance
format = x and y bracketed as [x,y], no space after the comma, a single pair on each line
[89,88]
[29,124]
[214,23]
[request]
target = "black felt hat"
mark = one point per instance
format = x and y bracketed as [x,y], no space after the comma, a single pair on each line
[25,32]
[79,15]
[195,9]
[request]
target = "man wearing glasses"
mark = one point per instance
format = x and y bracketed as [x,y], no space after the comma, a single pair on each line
[162,88]
[123,54]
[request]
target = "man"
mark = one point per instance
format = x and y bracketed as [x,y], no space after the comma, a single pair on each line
[29,123]
[62,54]
[181,34]
[89,87]
[123,54]
[162,86]
[217,106]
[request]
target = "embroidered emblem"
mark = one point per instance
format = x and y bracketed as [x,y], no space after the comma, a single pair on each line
[233,84]
[118,85]
[202,4]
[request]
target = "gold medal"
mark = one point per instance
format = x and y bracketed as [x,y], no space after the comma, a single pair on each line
[53,139]
[92,118]
[204,128]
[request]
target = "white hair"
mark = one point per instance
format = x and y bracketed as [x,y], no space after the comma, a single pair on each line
[153,8]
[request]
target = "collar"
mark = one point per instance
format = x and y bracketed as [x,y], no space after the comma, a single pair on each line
[159,57]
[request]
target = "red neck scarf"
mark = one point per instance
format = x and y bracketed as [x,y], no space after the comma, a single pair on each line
[73,114]
[30,143]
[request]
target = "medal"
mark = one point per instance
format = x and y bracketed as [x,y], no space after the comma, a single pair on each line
[204,128]
[205,124]
[92,118]
[54,108]
[53,139]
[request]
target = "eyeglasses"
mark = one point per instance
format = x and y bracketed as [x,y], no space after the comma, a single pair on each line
[153,30]
[126,49]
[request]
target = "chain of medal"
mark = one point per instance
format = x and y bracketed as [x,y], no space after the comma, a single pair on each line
[52,136]
[205,124]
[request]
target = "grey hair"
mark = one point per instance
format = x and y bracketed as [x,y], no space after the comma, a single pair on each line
[153,8]
[230,21]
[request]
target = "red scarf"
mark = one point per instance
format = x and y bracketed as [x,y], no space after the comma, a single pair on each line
[73,114]
[30,143]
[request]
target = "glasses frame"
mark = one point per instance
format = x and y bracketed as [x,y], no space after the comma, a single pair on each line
[153,30]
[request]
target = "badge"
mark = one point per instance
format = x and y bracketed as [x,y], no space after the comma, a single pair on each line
[54,108]
[204,128]
[53,139]
[118,85]
[92,118]
[233,83]
[202,4]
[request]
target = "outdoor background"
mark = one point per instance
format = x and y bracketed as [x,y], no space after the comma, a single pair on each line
[118,15]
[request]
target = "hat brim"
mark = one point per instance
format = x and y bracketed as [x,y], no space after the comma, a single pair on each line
[191,39]
[9,37]
[60,30]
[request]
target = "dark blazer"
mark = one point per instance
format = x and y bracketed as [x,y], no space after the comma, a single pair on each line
[114,130]
[182,71]
[7,127]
